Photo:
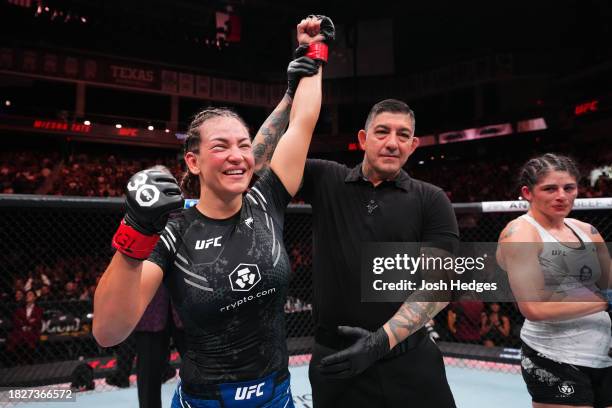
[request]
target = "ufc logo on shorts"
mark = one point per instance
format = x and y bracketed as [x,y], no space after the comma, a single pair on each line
[205,243]
[245,393]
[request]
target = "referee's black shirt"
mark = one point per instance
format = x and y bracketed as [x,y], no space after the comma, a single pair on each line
[347,211]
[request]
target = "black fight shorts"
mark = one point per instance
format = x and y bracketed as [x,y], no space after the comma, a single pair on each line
[552,382]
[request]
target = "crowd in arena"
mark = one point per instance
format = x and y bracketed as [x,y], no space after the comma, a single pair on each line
[105,175]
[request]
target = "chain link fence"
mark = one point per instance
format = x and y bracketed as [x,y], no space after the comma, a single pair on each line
[55,248]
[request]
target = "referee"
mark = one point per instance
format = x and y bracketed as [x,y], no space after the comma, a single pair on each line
[390,361]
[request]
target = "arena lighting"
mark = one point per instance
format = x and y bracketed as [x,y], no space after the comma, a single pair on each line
[150,127]
[167,130]
[128,132]
[7,103]
[87,123]
[501,129]
[530,125]
[586,107]
[421,162]
[118,125]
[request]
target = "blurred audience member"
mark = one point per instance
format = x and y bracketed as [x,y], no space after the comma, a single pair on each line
[464,321]
[495,327]
[27,323]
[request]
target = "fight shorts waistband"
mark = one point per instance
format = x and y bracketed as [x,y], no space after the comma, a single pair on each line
[260,389]
[331,338]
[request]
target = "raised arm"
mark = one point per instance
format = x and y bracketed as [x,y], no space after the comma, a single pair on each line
[270,132]
[290,155]
[272,129]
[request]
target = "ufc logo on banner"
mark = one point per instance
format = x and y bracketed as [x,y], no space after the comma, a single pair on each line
[205,243]
[245,393]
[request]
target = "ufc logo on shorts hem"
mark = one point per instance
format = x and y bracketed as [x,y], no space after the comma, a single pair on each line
[244,277]
[245,393]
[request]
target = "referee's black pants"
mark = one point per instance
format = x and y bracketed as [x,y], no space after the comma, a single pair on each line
[152,350]
[415,378]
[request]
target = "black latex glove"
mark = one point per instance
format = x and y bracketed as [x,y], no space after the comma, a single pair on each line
[369,347]
[297,69]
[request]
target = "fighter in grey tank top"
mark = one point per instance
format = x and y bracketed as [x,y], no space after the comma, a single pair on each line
[582,341]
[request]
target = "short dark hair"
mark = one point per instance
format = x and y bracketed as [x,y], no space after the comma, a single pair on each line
[389,105]
[537,167]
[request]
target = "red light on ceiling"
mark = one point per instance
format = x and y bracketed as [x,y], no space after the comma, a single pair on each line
[353,146]
[128,132]
[586,107]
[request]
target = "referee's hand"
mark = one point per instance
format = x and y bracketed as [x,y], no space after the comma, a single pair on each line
[367,349]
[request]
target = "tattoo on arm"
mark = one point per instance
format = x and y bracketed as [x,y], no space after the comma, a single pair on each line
[421,306]
[411,316]
[269,134]
[511,230]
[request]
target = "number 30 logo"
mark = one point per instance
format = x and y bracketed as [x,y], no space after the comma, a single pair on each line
[146,194]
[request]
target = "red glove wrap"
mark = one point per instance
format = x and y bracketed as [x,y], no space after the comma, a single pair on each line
[133,243]
[317,51]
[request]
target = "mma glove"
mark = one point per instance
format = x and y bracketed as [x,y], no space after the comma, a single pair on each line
[150,197]
[318,51]
[368,348]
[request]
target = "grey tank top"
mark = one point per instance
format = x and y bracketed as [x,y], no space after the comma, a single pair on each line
[583,341]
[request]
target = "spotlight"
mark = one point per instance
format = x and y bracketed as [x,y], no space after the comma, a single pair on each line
[150,127]
[167,131]
[421,162]
[118,125]
[7,103]
[87,123]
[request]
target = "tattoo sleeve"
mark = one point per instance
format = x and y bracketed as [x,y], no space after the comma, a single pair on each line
[420,306]
[269,134]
